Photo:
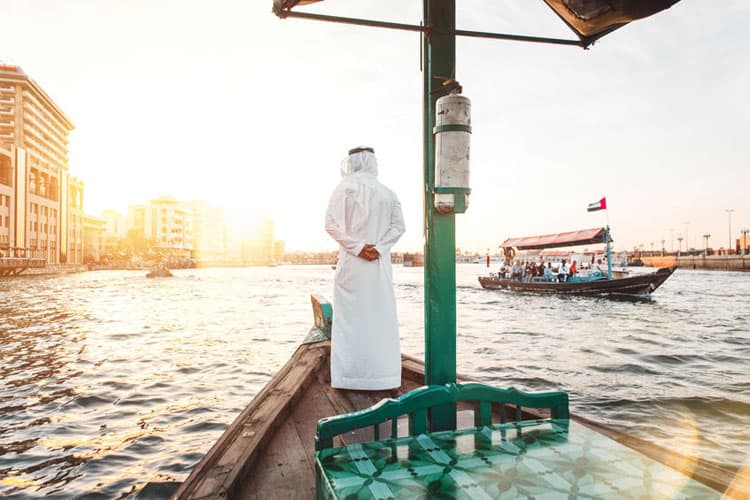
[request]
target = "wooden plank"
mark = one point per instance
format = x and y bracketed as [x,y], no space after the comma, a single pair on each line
[269,416]
[313,407]
[286,469]
[283,472]
[235,450]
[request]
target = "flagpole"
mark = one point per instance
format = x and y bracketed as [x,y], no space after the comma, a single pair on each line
[609,251]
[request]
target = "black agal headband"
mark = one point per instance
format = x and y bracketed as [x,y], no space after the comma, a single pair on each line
[361,149]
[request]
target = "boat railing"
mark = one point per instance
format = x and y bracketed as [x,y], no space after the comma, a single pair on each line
[418,402]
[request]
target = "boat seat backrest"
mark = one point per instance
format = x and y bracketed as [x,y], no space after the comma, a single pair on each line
[416,404]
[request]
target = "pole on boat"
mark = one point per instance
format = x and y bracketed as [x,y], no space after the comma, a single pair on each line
[609,254]
[439,64]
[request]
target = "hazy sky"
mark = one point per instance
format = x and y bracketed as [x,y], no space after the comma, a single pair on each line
[220,100]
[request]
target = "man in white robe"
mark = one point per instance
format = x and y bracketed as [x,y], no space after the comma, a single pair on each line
[365,218]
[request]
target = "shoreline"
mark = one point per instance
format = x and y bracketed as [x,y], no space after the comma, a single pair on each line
[737,263]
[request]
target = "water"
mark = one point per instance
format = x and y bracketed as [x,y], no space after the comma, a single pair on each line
[110,380]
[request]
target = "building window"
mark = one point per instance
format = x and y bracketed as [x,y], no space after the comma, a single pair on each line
[5,171]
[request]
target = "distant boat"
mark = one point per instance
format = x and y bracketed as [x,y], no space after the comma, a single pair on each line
[159,271]
[592,283]
[413,260]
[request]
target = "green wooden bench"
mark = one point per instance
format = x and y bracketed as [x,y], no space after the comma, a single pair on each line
[540,458]
[331,480]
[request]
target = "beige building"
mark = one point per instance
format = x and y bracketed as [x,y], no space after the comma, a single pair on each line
[210,240]
[259,248]
[165,225]
[41,205]
[115,231]
[93,238]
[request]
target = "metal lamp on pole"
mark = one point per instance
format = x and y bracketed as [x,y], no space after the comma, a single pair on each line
[729,213]
[705,247]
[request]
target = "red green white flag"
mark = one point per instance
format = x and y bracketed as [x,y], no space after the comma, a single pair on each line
[598,205]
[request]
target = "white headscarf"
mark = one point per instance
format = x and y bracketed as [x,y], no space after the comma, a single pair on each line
[363,162]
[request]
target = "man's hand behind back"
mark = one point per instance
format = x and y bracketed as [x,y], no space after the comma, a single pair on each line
[369,252]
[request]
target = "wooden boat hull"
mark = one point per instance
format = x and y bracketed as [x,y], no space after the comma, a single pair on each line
[268,450]
[639,285]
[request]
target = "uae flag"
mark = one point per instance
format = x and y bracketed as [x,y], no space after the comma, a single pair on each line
[598,205]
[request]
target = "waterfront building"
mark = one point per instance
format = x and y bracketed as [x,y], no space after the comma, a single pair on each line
[210,239]
[41,205]
[278,250]
[258,249]
[115,231]
[93,238]
[164,225]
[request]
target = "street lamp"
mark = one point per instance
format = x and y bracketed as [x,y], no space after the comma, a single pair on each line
[729,213]
[706,237]
[671,239]
[662,247]
[679,245]
[687,241]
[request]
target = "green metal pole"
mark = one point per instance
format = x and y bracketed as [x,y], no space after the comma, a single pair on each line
[439,58]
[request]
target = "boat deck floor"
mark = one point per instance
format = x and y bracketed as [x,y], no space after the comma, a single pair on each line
[286,469]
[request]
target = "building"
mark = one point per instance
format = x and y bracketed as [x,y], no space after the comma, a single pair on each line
[259,248]
[115,231]
[210,239]
[93,238]
[164,225]
[41,205]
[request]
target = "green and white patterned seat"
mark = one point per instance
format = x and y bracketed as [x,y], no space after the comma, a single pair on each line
[541,459]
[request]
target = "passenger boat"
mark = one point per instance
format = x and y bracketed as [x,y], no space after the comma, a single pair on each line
[439,435]
[590,283]
[159,271]
[413,260]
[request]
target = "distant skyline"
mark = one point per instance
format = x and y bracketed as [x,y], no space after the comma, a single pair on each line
[222,101]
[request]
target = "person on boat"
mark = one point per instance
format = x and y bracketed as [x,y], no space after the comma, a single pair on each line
[562,273]
[573,270]
[517,271]
[597,267]
[540,268]
[365,218]
[548,275]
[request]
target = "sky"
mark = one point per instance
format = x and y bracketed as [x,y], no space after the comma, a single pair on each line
[222,101]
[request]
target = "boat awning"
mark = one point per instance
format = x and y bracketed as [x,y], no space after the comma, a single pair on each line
[592,19]
[558,240]
[589,19]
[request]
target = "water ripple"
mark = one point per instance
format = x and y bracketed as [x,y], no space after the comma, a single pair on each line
[111,380]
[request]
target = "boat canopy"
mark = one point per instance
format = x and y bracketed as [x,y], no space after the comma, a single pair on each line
[589,19]
[569,239]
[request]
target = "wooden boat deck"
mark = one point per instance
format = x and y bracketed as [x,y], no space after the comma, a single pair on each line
[268,451]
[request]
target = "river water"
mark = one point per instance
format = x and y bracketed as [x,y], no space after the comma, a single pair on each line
[109,380]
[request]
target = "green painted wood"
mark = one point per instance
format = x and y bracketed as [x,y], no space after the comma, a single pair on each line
[439,58]
[417,403]
[483,413]
[322,314]
[529,459]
